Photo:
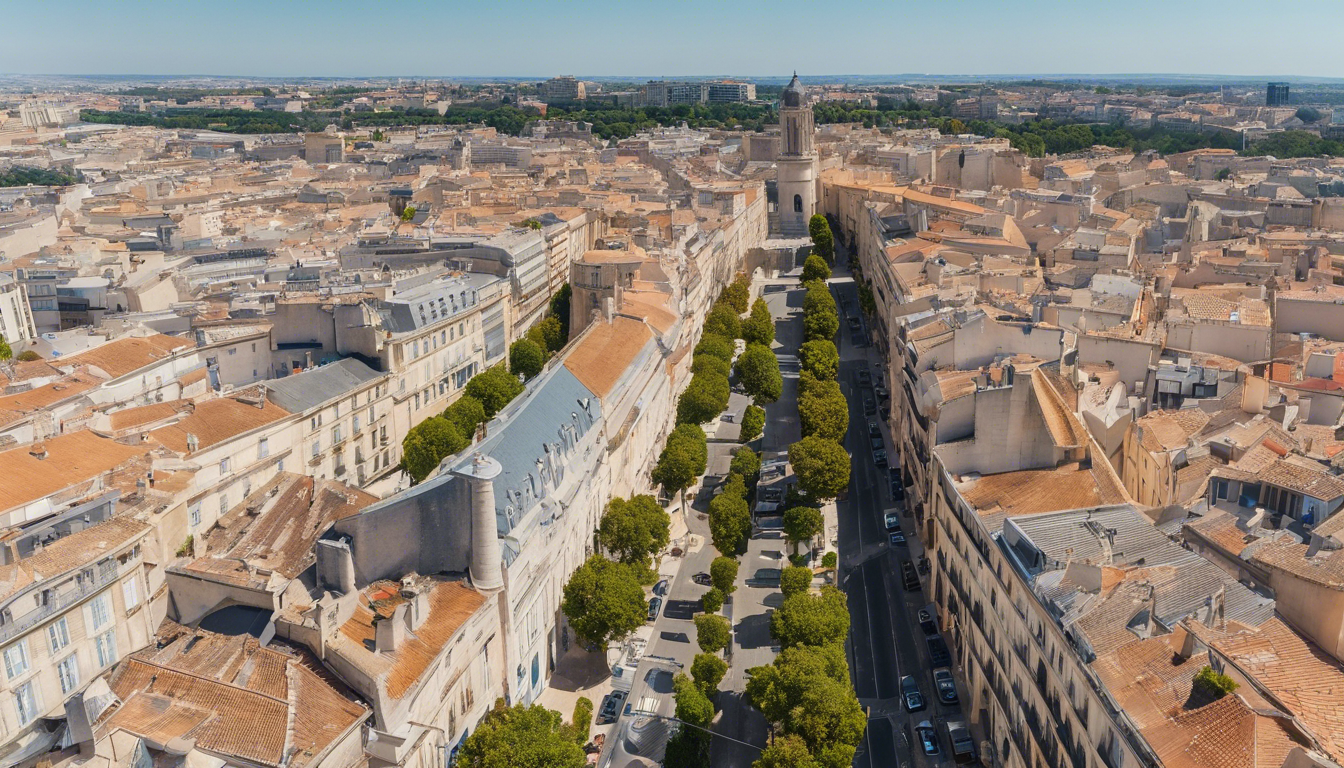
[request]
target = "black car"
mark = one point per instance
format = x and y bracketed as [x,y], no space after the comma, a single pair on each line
[938,653]
[882,393]
[611,705]
[910,695]
[864,378]
[909,577]
[869,407]
[853,322]
[880,458]
[876,443]
[660,588]
[947,687]
[928,737]
[655,605]
[897,538]
[926,623]
[702,579]
[874,430]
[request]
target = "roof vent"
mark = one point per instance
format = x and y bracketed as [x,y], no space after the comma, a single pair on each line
[38,451]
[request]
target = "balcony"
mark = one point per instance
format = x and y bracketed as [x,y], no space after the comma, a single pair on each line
[98,578]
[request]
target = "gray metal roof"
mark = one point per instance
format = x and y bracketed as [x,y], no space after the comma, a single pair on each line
[307,390]
[1077,535]
[548,418]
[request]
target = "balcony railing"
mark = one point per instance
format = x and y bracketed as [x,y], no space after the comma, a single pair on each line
[100,576]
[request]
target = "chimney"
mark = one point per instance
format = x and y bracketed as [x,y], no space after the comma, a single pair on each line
[38,450]
[419,611]
[193,443]
[390,633]
[1190,645]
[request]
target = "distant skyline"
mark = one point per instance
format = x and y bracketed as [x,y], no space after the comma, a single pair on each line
[604,38]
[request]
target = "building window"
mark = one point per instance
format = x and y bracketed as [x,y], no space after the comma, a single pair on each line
[263,448]
[68,672]
[106,645]
[336,434]
[317,448]
[224,466]
[356,424]
[100,611]
[131,592]
[317,421]
[194,514]
[59,634]
[797,203]
[16,659]
[25,703]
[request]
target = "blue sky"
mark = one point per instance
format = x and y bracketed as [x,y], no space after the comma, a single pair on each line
[535,38]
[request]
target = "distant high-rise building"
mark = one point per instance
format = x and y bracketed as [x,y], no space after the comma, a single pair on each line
[729,91]
[1276,95]
[561,90]
[666,93]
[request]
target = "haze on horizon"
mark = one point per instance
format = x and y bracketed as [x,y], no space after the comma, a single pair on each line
[542,38]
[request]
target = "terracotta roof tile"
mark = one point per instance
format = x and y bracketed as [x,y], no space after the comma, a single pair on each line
[72,458]
[123,356]
[604,351]
[215,421]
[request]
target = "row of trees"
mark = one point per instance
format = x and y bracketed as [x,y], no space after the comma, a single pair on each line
[819,460]
[438,437]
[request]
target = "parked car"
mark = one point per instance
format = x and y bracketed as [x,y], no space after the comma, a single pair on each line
[928,737]
[909,578]
[876,443]
[910,695]
[865,378]
[882,393]
[939,656]
[611,705]
[869,407]
[702,579]
[660,588]
[897,538]
[947,687]
[892,521]
[853,322]
[927,623]
[655,605]
[880,458]
[874,430]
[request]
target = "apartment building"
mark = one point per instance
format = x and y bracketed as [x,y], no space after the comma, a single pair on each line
[561,90]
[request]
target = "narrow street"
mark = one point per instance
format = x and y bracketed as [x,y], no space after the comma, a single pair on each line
[885,641]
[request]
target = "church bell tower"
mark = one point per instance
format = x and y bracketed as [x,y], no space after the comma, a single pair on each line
[796,165]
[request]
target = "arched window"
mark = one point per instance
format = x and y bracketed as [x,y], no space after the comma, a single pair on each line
[797,203]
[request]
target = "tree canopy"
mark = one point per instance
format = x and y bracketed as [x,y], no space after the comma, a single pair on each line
[712,633]
[693,705]
[729,522]
[821,324]
[549,334]
[759,327]
[822,466]
[808,619]
[560,310]
[794,580]
[520,737]
[723,574]
[823,241]
[830,720]
[467,413]
[683,458]
[710,364]
[429,443]
[747,464]
[815,268]
[721,347]
[604,601]
[494,388]
[786,751]
[753,421]
[526,357]
[776,688]
[802,523]
[820,358]
[723,321]
[634,530]
[708,670]
[758,372]
[822,409]
[737,294]
[703,399]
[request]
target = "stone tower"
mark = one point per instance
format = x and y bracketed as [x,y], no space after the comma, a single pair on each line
[796,165]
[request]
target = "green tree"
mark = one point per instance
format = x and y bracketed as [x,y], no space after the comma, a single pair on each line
[818,298]
[634,530]
[494,388]
[688,748]
[693,706]
[429,443]
[5,352]
[820,358]
[683,459]
[583,719]
[830,722]
[823,241]
[721,347]
[703,399]
[708,670]
[712,600]
[526,357]
[729,523]
[795,580]
[747,464]
[1215,684]
[802,524]
[520,737]
[408,213]
[712,633]
[777,688]
[808,619]
[758,372]
[604,601]
[830,560]
[786,751]
[823,410]
[560,310]
[737,294]
[723,574]
[548,334]
[822,466]
[28,356]
[815,268]
[820,325]
[723,321]
[753,421]
[710,365]
[467,413]
[759,327]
